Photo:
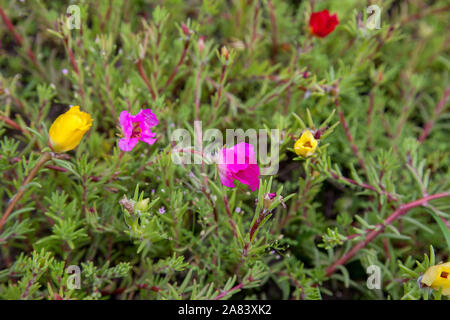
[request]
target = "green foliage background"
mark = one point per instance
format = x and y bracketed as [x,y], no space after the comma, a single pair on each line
[383,85]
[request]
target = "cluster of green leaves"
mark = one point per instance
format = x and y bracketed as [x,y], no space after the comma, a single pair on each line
[140,226]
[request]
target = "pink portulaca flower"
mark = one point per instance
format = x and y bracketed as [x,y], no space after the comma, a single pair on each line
[239,163]
[137,128]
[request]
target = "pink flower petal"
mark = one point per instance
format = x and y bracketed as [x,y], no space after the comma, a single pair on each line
[250,176]
[232,160]
[147,136]
[245,148]
[127,144]
[125,120]
[146,118]
[148,140]
[226,180]
[239,163]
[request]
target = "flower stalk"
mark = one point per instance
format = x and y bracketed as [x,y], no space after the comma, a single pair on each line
[381,227]
[43,160]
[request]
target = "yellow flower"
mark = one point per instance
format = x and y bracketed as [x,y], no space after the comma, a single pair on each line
[306,145]
[68,129]
[438,276]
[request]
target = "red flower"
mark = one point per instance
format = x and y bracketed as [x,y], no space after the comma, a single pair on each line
[321,23]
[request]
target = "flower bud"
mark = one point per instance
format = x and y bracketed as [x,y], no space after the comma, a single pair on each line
[268,199]
[142,205]
[334,90]
[185,29]
[224,53]
[306,145]
[68,129]
[128,205]
[201,43]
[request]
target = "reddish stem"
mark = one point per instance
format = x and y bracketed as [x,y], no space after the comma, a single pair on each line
[230,216]
[223,294]
[144,77]
[197,93]
[236,287]
[364,185]
[55,168]
[255,25]
[252,231]
[72,60]
[44,158]
[273,21]
[423,13]
[219,91]
[180,62]
[369,120]
[350,137]
[437,111]
[380,228]
[12,123]
[17,36]
[74,65]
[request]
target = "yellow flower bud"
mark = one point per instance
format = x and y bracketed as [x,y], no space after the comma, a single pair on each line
[438,276]
[306,145]
[68,129]
[224,52]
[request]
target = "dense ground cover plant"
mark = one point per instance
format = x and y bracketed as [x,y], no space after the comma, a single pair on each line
[363,174]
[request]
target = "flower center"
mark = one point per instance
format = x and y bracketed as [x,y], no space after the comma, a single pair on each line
[308,144]
[136,133]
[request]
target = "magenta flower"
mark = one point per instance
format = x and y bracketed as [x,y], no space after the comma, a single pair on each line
[239,163]
[137,128]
